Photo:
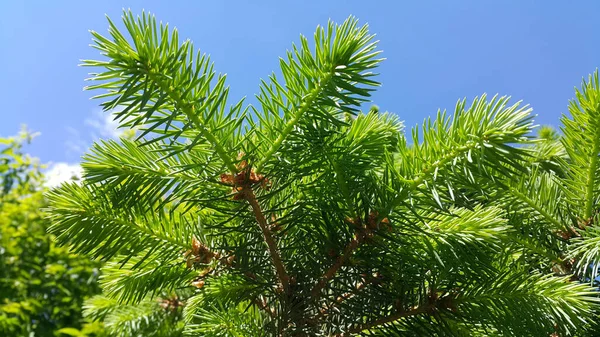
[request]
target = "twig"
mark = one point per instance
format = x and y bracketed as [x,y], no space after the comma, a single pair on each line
[352,293]
[248,194]
[341,260]
[262,304]
[346,296]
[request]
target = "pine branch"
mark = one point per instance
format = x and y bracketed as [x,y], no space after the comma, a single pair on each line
[433,169]
[289,126]
[582,142]
[148,318]
[262,304]
[249,196]
[84,217]
[137,279]
[344,297]
[531,203]
[218,319]
[591,178]
[341,181]
[359,238]
[478,134]
[189,109]
[509,296]
[334,78]
[419,310]
[540,197]
[161,82]
[150,175]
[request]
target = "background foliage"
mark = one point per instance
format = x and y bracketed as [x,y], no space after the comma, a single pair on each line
[42,285]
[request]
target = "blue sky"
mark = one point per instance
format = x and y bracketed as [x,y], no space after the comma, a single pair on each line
[437,52]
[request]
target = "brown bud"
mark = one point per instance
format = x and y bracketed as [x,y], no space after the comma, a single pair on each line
[352,221]
[227,179]
[199,253]
[171,304]
[275,227]
[373,225]
[196,246]
[230,259]
[198,284]
[204,272]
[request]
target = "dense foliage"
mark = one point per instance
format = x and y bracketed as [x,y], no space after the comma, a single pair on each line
[303,216]
[42,285]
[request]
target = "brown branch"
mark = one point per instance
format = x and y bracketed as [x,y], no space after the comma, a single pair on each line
[350,294]
[263,305]
[346,296]
[359,238]
[373,223]
[248,194]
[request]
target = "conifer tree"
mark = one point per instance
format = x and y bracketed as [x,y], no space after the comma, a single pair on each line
[303,215]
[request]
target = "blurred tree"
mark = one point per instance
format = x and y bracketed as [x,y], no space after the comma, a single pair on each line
[42,286]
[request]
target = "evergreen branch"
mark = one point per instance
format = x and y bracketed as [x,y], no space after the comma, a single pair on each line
[480,225]
[344,297]
[486,126]
[188,109]
[340,261]
[147,175]
[591,179]
[268,237]
[98,307]
[137,279]
[452,210]
[582,142]
[383,129]
[146,318]
[458,233]
[533,245]
[83,216]
[587,252]
[502,302]
[341,181]
[348,295]
[289,126]
[539,200]
[546,300]
[334,78]
[462,239]
[262,304]
[160,82]
[219,319]
[419,310]
[531,203]
[447,158]
[143,319]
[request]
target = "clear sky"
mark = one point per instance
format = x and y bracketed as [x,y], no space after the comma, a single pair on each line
[437,52]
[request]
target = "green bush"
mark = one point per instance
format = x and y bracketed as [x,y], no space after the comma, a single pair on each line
[42,285]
